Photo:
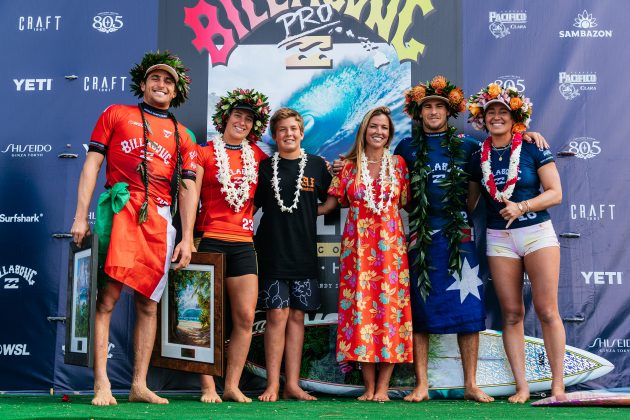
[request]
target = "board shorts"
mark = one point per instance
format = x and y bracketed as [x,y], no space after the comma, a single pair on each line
[295,294]
[519,242]
[240,257]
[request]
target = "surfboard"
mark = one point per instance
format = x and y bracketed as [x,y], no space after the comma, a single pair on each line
[598,397]
[321,373]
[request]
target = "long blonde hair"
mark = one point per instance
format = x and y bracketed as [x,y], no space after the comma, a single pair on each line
[356,151]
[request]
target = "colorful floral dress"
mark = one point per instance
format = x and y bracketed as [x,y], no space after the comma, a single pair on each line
[374,314]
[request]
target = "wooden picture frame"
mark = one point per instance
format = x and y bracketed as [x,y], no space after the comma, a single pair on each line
[81,309]
[190,330]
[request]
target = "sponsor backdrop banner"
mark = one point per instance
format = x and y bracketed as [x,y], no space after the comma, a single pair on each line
[332,61]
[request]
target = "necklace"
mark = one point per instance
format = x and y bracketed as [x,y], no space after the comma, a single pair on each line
[386,174]
[502,149]
[512,176]
[375,161]
[235,196]
[275,181]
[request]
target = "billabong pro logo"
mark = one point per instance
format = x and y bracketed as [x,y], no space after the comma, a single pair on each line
[11,275]
[603,277]
[104,83]
[14,350]
[107,22]
[39,23]
[586,27]
[500,23]
[572,84]
[585,147]
[26,150]
[611,345]
[592,212]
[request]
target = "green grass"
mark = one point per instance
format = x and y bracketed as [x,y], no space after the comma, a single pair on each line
[188,407]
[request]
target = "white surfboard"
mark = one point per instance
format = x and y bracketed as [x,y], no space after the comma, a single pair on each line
[321,373]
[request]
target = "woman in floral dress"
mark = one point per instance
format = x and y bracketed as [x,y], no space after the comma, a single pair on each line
[374,312]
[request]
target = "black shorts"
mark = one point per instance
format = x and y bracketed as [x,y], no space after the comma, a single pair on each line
[240,257]
[295,294]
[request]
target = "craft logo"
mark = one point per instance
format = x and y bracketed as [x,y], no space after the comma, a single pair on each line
[104,83]
[587,27]
[511,81]
[502,22]
[572,84]
[32,85]
[26,150]
[39,23]
[592,212]
[14,350]
[11,275]
[107,22]
[603,277]
[585,147]
[308,28]
[611,345]
[21,218]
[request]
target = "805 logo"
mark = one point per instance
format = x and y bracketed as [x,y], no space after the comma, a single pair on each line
[511,81]
[585,147]
[107,22]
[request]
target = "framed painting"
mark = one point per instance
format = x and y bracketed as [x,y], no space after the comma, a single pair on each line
[82,289]
[190,333]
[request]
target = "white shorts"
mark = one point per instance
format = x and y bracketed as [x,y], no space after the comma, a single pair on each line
[516,243]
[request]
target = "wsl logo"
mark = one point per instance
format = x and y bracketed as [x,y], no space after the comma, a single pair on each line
[107,22]
[12,274]
[511,81]
[572,84]
[585,147]
[502,22]
[587,28]
[14,350]
[104,83]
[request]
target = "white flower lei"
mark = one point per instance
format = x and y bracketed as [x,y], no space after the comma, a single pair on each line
[386,176]
[235,196]
[512,176]
[275,181]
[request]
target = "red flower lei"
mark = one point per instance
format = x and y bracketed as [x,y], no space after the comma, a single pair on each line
[486,169]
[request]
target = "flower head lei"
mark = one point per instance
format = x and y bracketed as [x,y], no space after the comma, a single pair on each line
[275,181]
[438,88]
[520,106]
[248,98]
[139,73]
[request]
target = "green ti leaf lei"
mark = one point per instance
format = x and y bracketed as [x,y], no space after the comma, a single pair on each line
[455,187]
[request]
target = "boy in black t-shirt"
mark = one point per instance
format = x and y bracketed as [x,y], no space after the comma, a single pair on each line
[290,185]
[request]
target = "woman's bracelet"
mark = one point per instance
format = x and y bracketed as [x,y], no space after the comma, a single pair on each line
[520,208]
[529,209]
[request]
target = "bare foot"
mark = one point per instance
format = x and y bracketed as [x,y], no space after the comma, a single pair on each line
[296,393]
[520,397]
[210,396]
[103,395]
[367,396]
[476,394]
[380,396]
[140,393]
[270,394]
[235,395]
[419,393]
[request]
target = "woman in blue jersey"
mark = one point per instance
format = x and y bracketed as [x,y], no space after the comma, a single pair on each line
[509,174]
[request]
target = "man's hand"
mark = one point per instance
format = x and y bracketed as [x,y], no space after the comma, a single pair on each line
[338,165]
[80,229]
[183,252]
[511,212]
[535,137]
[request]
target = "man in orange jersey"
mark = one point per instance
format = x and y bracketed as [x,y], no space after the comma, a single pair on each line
[145,148]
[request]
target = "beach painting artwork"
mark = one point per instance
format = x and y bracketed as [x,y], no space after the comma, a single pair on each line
[187,321]
[80,302]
